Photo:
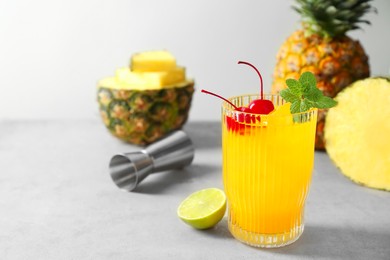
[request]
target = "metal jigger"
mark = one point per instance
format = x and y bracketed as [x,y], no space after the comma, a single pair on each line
[129,169]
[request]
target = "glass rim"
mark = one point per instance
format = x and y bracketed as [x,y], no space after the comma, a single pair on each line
[227,107]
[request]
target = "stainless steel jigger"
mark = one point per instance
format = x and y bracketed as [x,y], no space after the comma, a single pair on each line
[172,152]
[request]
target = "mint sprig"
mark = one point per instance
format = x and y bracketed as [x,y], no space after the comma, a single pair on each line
[303,94]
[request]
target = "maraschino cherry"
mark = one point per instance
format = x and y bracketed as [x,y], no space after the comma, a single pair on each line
[259,106]
[240,117]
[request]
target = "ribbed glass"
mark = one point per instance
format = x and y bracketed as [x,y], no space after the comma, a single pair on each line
[267,167]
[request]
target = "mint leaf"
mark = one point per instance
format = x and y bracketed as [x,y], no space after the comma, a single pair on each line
[294,86]
[301,105]
[295,107]
[307,80]
[314,94]
[288,95]
[303,94]
[325,102]
[305,105]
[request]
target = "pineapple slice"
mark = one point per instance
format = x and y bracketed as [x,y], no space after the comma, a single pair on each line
[357,132]
[116,83]
[151,80]
[150,61]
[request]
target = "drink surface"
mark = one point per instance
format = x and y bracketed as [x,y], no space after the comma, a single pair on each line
[267,169]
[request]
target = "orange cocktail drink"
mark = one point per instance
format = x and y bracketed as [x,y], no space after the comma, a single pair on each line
[267,168]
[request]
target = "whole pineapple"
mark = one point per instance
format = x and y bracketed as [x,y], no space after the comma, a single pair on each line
[323,48]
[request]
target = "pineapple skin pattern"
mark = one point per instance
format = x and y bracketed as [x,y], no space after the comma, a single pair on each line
[143,116]
[336,62]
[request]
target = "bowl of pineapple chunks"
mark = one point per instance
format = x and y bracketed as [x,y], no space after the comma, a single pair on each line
[146,100]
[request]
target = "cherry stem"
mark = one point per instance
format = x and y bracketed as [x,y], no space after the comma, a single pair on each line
[218,96]
[258,73]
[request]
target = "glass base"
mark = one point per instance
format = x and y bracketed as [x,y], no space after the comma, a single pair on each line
[266,240]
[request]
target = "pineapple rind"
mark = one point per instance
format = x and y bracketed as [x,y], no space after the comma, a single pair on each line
[357,132]
[142,116]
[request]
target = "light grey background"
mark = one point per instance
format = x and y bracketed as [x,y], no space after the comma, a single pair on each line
[52,53]
[62,204]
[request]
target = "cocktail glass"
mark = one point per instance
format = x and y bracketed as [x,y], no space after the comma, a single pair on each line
[267,168]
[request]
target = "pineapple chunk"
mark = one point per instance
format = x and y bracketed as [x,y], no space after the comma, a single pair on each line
[280,116]
[151,61]
[153,80]
[357,132]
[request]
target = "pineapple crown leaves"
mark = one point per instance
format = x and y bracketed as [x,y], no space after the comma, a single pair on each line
[331,18]
[303,94]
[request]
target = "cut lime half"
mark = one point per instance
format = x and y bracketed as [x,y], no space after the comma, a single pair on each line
[203,209]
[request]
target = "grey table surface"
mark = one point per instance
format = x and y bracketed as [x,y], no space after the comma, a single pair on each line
[57,201]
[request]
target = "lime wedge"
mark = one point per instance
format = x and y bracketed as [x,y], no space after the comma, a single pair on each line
[203,209]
